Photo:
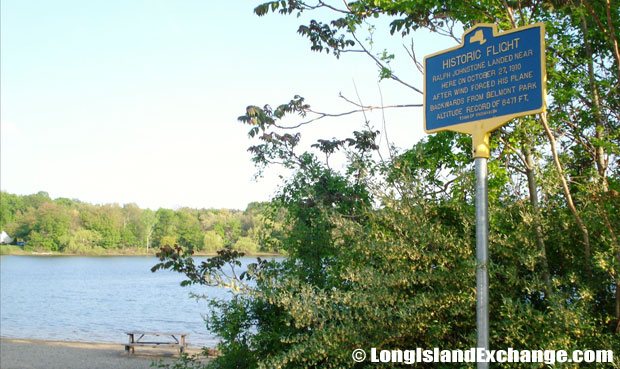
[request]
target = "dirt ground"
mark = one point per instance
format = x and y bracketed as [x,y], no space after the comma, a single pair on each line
[37,354]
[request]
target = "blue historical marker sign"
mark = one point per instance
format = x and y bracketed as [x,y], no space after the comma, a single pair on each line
[474,88]
[486,81]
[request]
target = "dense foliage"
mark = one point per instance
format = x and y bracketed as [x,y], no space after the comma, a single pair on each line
[71,226]
[381,252]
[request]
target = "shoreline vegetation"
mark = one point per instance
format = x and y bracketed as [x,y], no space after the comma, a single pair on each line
[39,225]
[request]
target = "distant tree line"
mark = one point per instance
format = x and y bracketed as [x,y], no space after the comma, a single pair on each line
[72,226]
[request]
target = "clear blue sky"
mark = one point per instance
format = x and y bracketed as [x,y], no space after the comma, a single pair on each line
[121,101]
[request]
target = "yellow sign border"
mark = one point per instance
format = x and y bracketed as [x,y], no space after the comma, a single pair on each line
[479,129]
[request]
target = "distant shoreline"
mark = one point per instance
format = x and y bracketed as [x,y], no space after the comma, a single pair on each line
[4,250]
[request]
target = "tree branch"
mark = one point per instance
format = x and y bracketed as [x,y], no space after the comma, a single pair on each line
[415,60]
[381,65]
[362,108]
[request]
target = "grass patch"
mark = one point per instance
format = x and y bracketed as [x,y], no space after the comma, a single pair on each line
[11,250]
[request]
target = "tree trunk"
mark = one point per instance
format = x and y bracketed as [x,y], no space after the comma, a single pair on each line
[531,183]
[601,163]
[600,160]
[616,269]
[569,198]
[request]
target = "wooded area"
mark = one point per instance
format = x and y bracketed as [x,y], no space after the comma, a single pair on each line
[74,227]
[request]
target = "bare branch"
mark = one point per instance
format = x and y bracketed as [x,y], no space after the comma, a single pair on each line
[347,5]
[323,4]
[520,170]
[381,65]
[510,12]
[360,100]
[387,141]
[522,17]
[454,37]
[360,110]
[412,56]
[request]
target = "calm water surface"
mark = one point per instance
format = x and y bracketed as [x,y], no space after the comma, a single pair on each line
[98,299]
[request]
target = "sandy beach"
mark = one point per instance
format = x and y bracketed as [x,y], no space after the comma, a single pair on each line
[37,354]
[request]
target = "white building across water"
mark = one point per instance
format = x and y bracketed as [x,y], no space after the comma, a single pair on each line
[5,238]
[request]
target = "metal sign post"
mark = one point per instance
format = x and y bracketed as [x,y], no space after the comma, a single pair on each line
[481,156]
[475,88]
[482,258]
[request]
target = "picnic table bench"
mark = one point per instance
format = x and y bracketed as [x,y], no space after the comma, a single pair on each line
[173,340]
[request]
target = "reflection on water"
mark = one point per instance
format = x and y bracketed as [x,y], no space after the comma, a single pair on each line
[98,298]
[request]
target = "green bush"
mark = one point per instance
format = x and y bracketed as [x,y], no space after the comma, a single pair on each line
[213,241]
[246,244]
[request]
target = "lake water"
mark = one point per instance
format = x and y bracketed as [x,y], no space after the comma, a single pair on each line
[98,299]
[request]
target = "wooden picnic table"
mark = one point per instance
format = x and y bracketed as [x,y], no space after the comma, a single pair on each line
[136,338]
